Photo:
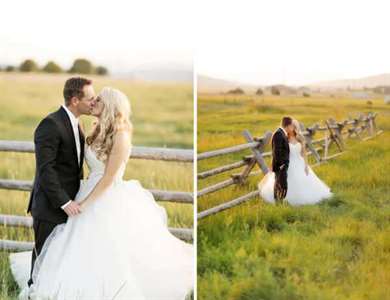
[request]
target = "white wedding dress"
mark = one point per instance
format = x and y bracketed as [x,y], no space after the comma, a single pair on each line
[118,248]
[301,188]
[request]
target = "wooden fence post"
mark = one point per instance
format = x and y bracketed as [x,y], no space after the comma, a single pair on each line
[309,140]
[362,120]
[240,178]
[354,129]
[326,146]
[369,126]
[257,151]
[335,133]
[371,121]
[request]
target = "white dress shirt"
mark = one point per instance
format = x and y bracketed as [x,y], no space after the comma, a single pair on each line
[75,126]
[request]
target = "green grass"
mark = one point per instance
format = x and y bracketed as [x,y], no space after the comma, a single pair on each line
[339,249]
[162,117]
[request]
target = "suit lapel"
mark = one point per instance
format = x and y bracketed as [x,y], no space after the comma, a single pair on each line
[284,135]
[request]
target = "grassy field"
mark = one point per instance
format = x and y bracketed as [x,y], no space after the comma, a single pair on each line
[162,117]
[339,249]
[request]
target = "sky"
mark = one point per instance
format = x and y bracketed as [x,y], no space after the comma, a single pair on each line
[119,34]
[251,41]
[293,42]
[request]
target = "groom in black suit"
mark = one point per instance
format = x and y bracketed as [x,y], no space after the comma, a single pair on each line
[59,153]
[280,158]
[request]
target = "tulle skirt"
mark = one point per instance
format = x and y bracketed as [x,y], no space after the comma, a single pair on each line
[119,248]
[301,188]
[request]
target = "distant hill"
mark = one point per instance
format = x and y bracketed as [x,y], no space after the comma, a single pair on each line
[161,73]
[214,85]
[369,82]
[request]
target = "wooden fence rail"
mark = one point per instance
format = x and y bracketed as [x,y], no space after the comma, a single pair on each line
[160,195]
[148,153]
[137,152]
[335,134]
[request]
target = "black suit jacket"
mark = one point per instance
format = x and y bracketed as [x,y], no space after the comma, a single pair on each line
[280,151]
[58,173]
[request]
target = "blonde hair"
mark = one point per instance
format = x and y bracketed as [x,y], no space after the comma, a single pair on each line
[115,116]
[299,135]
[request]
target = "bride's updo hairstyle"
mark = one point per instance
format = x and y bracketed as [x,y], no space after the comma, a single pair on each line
[115,116]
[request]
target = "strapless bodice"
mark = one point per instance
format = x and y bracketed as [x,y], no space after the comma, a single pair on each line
[96,167]
[295,151]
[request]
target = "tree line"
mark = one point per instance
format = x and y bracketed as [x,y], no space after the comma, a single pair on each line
[275,90]
[80,66]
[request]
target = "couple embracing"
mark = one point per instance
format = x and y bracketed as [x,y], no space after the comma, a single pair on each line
[291,180]
[103,237]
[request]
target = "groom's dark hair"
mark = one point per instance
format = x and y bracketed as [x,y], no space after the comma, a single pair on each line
[74,88]
[286,121]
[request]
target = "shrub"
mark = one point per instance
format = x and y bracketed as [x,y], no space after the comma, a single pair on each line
[81,66]
[28,66]
[259,92]
[52,67]
[10,69]
[237,91]
[100,70]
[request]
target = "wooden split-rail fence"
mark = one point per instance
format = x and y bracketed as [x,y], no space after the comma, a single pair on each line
[149,153]
[362,127]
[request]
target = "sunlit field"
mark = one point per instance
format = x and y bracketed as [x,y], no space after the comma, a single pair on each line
[162,116]
[339,249]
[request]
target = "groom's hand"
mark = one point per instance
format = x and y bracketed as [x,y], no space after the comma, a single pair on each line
[72,209]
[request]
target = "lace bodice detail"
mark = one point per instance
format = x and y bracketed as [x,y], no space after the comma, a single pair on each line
[96,167]
[295,151]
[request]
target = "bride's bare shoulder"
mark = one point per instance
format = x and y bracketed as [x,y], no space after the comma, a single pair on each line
[123,136]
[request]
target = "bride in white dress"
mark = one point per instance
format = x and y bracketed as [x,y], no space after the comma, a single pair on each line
[119,247]
[303,185]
